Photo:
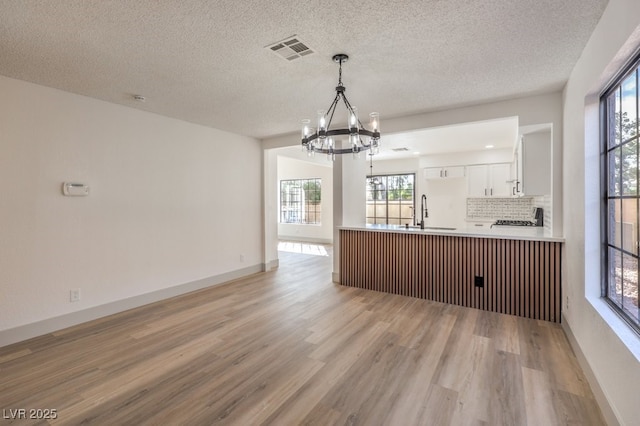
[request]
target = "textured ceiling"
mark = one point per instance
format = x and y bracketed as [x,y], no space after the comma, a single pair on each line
[205,61]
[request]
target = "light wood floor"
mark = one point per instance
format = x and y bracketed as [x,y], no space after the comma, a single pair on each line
[289,347]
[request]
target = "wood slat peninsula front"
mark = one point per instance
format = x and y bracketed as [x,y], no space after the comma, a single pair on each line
[520,277]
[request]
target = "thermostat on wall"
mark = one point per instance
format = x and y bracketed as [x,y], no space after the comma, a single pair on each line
[75,189]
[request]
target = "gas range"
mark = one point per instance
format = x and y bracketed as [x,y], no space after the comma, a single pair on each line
[509,222]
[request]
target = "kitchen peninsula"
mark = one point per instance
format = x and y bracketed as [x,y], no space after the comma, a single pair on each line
[506,270]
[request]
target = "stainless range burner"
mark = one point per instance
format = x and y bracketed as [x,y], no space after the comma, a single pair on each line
[507,222]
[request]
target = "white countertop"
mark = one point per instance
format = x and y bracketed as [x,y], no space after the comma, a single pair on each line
[533,233]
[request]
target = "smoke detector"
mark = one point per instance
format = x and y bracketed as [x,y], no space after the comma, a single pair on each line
[290,48]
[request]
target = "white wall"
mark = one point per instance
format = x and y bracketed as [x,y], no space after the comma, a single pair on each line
[609,350]
[446,202]
[290,168]
[270,208]
[487,156]
[349,200]
[171,203]
[397,166]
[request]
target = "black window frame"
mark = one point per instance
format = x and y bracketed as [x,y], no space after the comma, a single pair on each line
[384,191]
[616,255]
[295,211]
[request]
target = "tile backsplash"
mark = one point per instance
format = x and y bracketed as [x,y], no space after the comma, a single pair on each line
[500,208]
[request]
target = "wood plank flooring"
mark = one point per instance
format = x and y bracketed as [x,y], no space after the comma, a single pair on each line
[289,347]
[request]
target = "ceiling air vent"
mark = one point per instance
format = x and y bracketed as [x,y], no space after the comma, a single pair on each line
[290,48]
[400,149]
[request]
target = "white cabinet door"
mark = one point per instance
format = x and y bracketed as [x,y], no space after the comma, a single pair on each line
[536,164]
[499,180]
[454,172]
[433,173]
[444,172]
[477,181]
[490,180]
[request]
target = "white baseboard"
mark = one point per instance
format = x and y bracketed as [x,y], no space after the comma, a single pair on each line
[28,331]
[271,265]
[299,239]
[598,393]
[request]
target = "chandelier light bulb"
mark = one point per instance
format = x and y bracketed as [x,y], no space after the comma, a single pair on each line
[306,131]
[374,120]
[305,128]
[322,124]
[353,120]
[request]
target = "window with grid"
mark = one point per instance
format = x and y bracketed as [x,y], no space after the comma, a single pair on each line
[621,196]
[300,201]
[390,199]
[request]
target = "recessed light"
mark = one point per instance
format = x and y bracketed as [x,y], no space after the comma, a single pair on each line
[416,153]
[488,146]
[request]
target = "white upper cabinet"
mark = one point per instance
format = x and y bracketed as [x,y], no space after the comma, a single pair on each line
[500,179]
[534,164]
[489,180]
[477,181]
[444,172]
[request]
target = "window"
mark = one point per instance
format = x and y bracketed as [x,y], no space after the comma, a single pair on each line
[621,196]
[300,201]
[390,199]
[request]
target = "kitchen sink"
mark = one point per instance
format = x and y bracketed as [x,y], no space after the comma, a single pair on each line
[439,228]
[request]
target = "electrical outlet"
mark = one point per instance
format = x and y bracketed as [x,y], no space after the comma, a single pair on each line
[242,258]
[566,303]
[74,295]
[478,281]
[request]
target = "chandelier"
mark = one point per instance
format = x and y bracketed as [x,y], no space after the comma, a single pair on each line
[322,139]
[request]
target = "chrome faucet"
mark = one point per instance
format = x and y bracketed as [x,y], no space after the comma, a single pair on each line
[423,210]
